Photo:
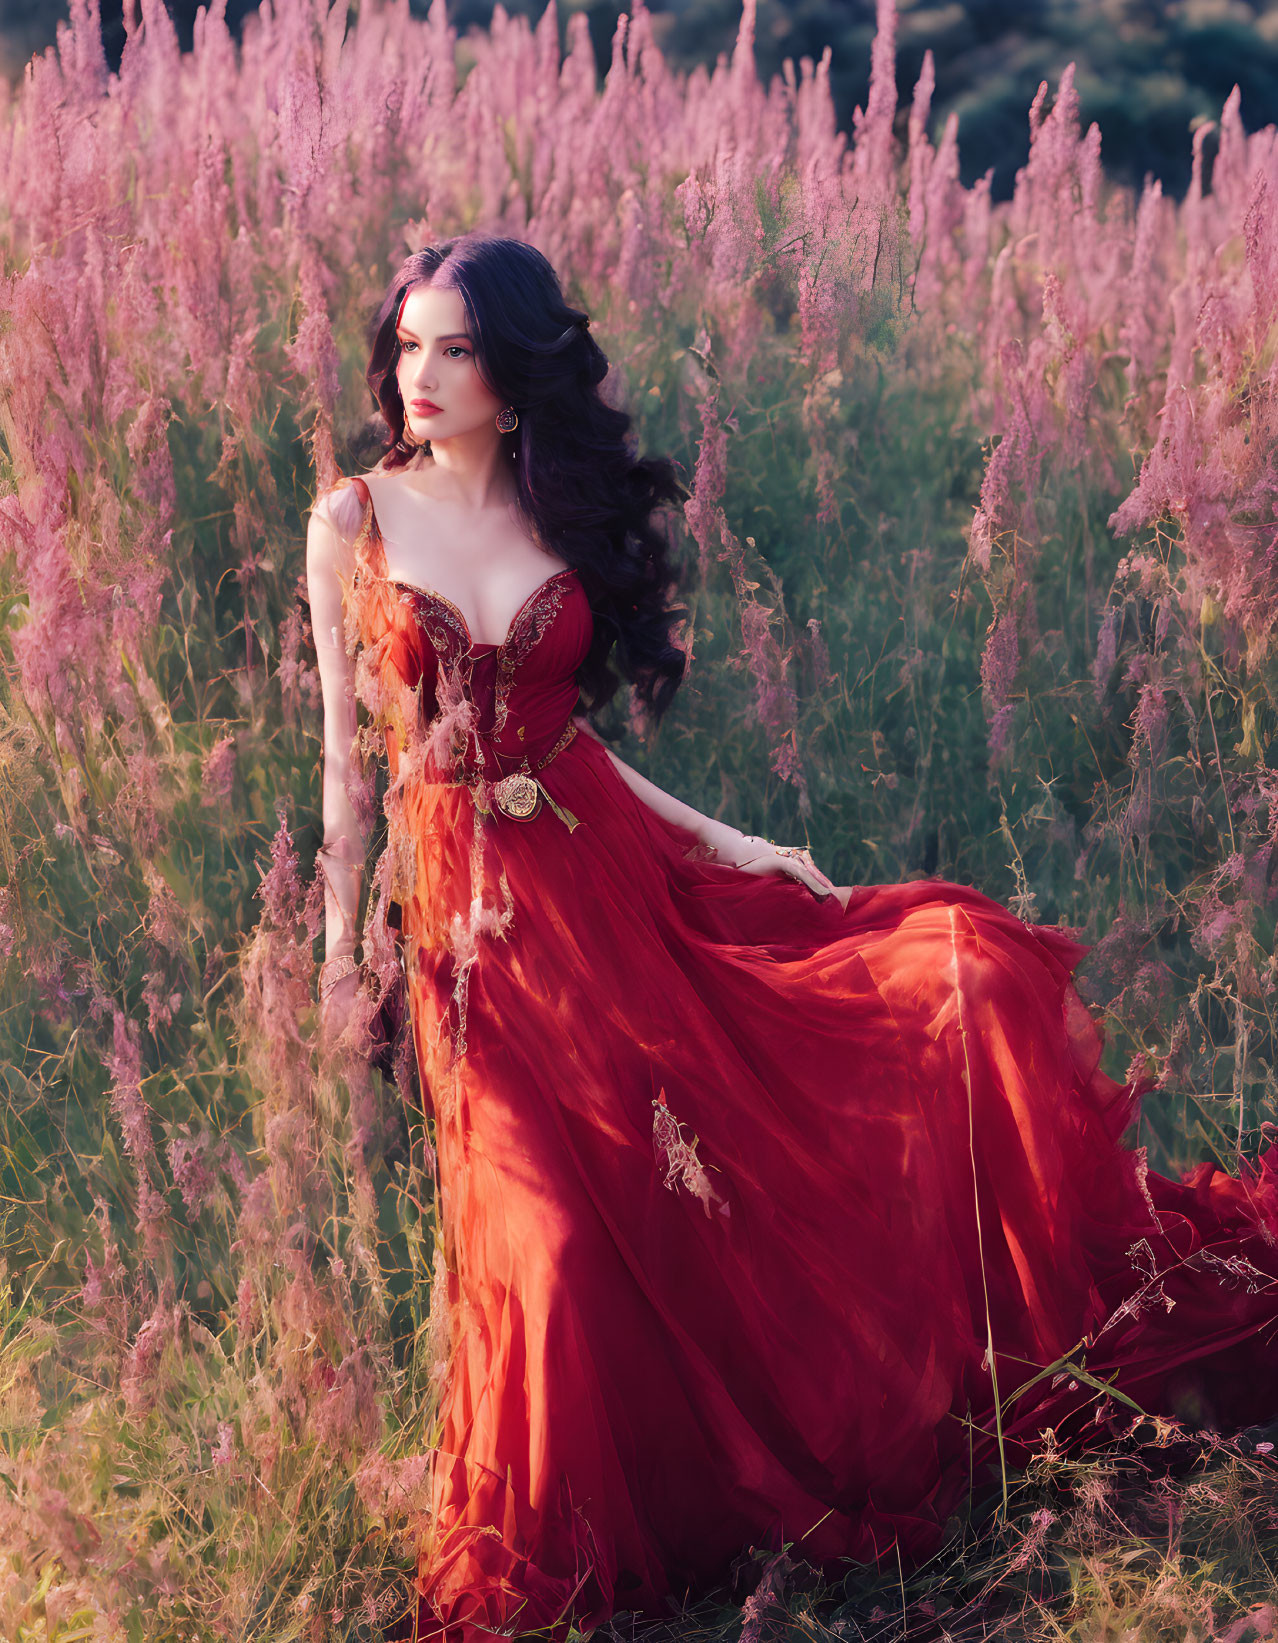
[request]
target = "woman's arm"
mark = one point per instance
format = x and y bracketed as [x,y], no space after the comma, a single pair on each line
[727,842]
[342,856]
[730,846]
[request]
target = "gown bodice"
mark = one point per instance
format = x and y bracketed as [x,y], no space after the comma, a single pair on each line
[516,697]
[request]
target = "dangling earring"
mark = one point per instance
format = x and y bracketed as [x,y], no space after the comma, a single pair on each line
[507,421]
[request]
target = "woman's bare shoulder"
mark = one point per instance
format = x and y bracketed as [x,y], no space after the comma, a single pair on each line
[341,507]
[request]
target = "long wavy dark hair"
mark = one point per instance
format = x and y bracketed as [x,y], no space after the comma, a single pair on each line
[581,485]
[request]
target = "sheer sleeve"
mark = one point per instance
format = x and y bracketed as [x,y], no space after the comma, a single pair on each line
[330,563]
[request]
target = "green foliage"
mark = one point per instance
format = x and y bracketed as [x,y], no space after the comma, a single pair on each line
[218,1307]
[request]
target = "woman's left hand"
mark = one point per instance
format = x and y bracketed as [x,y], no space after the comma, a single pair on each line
[767,857]
[755,855]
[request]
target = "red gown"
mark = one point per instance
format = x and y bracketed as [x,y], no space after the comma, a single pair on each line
[739,1188]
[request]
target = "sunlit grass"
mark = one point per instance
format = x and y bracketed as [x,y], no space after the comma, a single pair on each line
[217,1358]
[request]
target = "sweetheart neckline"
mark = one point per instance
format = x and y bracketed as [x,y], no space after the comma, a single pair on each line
[372,524]
[434,593]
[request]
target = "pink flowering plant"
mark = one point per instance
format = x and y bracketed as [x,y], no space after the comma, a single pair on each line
[980,551]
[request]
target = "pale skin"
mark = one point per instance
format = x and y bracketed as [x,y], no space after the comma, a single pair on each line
[462,494]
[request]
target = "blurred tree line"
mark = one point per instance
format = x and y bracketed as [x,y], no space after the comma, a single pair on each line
[1148,70]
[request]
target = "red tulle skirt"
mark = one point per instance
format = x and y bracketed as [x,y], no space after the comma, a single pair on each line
[754,1207]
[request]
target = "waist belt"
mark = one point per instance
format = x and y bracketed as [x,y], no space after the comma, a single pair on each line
[519,794]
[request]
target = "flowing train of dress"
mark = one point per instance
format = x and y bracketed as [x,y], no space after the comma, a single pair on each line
[747,1200]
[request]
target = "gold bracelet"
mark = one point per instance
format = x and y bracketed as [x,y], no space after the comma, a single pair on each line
[334,970]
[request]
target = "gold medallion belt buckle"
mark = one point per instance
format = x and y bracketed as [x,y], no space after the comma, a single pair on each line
[519,794]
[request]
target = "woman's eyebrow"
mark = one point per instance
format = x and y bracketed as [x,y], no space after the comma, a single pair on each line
[451,335]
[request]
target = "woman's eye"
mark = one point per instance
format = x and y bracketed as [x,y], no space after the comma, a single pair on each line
[453,348]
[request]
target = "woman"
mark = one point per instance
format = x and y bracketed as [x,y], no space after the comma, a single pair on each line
[764,1201]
